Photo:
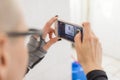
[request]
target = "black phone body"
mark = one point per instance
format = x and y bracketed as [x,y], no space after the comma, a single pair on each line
[67,30]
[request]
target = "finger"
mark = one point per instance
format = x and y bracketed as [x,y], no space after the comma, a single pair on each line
[48,25]
[50,35]
[77,39]
[87,29]
[51,21]
[51,42]
[52,31]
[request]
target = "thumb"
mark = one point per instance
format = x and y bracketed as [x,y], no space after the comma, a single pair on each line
[77,39]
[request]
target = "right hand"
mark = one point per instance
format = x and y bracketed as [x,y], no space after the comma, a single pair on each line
[89,52]
[48,30]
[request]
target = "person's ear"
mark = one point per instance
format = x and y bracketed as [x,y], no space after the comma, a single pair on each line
[3,58]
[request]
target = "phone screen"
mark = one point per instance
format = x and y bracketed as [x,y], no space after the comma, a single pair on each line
[68,31]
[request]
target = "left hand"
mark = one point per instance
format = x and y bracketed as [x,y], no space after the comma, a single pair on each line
[47,30]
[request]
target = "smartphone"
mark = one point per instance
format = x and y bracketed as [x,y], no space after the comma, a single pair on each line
[67,30]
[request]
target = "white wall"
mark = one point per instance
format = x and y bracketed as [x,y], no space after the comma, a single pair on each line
[37,12]
[57,64]
[105,20]
[75,11]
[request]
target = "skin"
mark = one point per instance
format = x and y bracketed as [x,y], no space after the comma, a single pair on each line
[50,31]
[14,54]
[89,51]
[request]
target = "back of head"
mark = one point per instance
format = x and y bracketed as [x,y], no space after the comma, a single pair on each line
[13,53]
[9,15]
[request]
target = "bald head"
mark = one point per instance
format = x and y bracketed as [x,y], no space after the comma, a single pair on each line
[13,53]
[9,15]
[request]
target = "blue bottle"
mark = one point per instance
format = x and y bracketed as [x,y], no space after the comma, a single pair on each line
[77,72]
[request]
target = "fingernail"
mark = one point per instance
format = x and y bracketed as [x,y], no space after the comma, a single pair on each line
[59,39]
[56,16]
